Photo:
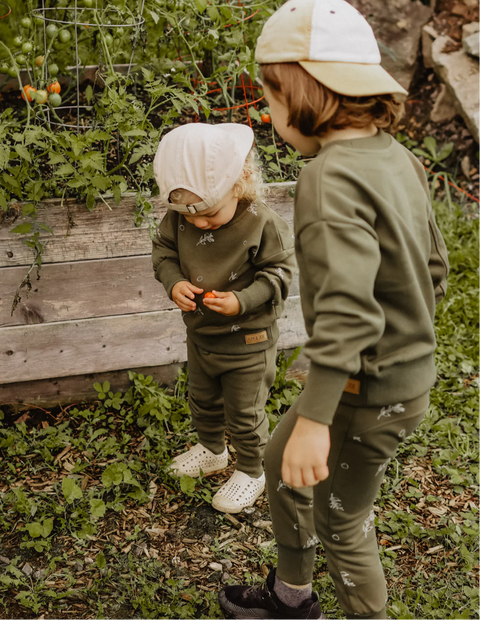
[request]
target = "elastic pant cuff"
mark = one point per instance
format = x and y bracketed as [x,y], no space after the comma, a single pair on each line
[253,469]
[295,566]
[377,615]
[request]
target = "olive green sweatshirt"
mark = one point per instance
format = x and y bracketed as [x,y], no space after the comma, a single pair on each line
[372,264]
[252,256]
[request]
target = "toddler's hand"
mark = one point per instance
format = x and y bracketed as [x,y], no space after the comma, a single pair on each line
[182,294]
[223,303]
[305,456]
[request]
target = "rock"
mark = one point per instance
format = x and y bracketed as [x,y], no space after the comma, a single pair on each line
[460,74]
[88,560]
[4,560]
[215,566]
[40,574]
[27,569]
[444,108]
[227,564]
[429,34]
[225,577]
[78,566]
[459,9]
[399,45]
[465,166]
[249,510]
[471,44]
[206,539]
[468,29]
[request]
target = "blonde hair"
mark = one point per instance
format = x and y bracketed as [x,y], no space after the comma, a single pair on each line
[314,109]
[249,185]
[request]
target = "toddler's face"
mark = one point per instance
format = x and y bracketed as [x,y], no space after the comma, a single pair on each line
[218,215]
[307,146]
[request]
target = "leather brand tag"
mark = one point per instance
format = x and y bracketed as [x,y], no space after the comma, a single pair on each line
[254,338]
[352,386]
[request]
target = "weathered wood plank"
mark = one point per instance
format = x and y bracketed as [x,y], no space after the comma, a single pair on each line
[85,289]
[106,232]
[85,346]
[82,290]
[67,390]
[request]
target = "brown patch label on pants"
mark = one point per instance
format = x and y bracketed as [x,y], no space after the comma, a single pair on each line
[254,338]
[352,386]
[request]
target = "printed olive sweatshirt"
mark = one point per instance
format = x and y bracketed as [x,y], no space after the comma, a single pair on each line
[372,264]
[252,256]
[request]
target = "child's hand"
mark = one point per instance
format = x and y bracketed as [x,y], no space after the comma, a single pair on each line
[305,456]
[182,294]
[223,303]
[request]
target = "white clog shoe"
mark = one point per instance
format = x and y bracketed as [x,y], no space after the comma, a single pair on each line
[199,458]
[238,492]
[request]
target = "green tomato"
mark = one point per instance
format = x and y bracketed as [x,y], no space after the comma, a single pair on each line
[51,31]
[3,68]
[27,47]
[64,36]
[55,99]
[109,40]
[40,96]
[12,72]
[88,4]
[53,69]
[26,22]
[17,41]
[21,59]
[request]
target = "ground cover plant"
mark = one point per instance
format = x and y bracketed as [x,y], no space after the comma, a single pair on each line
[92,525]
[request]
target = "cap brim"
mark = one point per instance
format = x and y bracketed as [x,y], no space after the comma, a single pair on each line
[353,79]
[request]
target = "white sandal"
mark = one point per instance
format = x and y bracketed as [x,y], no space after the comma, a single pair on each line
[238,492]
[199,458]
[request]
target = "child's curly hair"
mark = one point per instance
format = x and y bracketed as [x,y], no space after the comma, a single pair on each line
[314,109]
[249,186]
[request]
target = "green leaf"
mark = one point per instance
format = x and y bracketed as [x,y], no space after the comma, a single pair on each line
[445,151]
[213,13]
[47,527]
[431,145]
[35,529]
[106,386]
[98,387]
[89,94]
[113,474]
[97,508]
[23,152]
[201,5]
[102,183]
[64,170]
[70,490]
[22,229]
[101,562]
[187,484]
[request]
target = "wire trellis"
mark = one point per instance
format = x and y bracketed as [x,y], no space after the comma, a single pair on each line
[46,15]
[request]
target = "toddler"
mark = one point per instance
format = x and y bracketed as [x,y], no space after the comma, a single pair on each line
[227,261]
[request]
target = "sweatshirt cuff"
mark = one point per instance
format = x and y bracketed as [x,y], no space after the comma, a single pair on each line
[321,394]
[254,295]
[168,273]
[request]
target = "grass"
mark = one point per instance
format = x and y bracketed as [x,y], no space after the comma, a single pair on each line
[91,525]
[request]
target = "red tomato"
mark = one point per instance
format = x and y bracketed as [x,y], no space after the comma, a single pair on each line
[210,296]
[266,118]
[27,92]
[54,87]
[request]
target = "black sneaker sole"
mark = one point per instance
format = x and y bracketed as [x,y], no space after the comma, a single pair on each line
[241,613]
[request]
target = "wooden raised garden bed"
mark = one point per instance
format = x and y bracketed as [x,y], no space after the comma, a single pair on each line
[97,309]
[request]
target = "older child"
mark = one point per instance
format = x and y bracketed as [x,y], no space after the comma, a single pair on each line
[372,264]
[227,262]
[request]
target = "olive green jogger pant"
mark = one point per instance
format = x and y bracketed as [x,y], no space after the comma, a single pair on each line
[229,392]
[339,510]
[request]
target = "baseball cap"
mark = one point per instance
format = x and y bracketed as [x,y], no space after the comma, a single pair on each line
[332,41]
[202,158]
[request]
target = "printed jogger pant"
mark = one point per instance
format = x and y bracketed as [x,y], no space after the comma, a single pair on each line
[230,392]
[339,510]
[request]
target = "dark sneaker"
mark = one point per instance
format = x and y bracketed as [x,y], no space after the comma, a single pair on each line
[260,601]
